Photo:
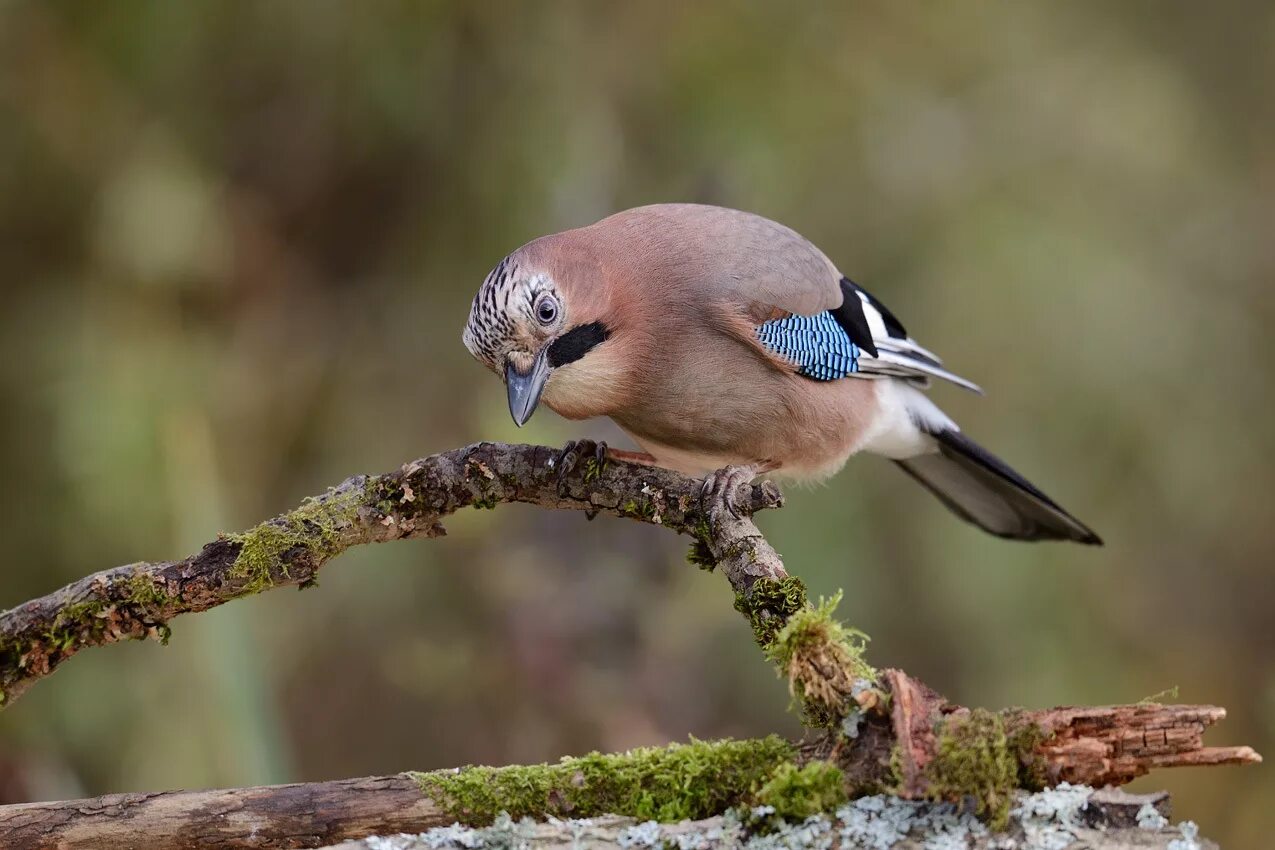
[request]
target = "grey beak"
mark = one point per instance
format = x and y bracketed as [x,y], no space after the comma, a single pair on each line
[525,389]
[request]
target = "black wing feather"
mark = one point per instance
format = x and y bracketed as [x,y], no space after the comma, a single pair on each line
[892,324]
[851,318]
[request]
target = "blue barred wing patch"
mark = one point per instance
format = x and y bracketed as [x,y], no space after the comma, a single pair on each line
[817,345]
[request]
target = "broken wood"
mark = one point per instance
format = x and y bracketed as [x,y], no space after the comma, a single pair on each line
[881,730]
[1097,745]
[1112,745]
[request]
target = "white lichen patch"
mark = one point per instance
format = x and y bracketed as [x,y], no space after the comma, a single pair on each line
[851,722]
[815,833]
[1190,839]
[1048,820]
[640,835]
[697,839]
[1149,817]
[875,823]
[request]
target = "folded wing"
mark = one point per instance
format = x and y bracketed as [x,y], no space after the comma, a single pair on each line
[860,338]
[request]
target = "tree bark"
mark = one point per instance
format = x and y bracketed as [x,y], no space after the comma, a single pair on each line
[880,730]
[1089,745]
[137,601]
[1109,821]
[280,816]
[322,814]
[893,751]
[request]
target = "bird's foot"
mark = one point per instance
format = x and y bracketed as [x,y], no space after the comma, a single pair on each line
[718,492]
[592,452]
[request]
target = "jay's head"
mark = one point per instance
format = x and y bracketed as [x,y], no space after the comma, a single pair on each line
[534,321]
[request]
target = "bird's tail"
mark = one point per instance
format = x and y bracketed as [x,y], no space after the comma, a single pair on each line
[982,489]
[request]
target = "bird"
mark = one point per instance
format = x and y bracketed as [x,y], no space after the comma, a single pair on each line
[726,345]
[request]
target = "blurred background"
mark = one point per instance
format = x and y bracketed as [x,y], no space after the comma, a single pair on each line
[238,243]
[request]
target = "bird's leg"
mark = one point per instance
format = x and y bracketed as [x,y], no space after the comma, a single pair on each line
[574,450]
[567,460]
[641,458]
[719,487]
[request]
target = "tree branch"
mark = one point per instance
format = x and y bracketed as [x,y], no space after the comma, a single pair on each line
[138,600]
[877,730]
[311,815]
[1098,820]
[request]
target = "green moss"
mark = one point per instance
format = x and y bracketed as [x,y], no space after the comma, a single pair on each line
[769,604]
[701,530]
[486,503]
[593,468]
[1024,743]
[797,793]
[701,552]
[315,527]
[638,508]
[695,780]
[976,761]
[701,556]
[125,611]
[75,623]
[1161,696]
[896,768]
[147,590]
[823,659]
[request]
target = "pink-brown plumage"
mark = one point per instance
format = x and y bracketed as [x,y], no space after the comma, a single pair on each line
[651,317]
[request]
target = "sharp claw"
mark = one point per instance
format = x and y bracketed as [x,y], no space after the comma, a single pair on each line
[719,488]
[567,458]
[566,462]
[572,452]
[730,503]
[727,494]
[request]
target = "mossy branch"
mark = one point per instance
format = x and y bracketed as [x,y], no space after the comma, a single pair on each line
[753,793]
[878,731]
[138,601]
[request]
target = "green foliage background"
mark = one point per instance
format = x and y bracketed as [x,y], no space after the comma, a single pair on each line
[237,246]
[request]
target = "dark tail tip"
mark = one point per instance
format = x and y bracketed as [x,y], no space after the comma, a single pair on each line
[982,489]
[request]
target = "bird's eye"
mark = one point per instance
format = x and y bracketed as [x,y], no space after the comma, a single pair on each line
[547,310]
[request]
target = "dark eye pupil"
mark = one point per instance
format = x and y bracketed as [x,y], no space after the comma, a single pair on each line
[547,311]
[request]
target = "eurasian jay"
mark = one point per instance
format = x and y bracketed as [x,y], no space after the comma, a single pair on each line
[723,341]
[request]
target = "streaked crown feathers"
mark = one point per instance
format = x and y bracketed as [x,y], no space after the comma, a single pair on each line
[506,298]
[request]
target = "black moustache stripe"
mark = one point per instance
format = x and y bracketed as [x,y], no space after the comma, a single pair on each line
[576,343]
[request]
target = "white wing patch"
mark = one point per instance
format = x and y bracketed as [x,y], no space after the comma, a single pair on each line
[901,356]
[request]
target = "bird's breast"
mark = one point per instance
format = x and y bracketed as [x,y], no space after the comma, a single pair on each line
[597,384]
[710,411]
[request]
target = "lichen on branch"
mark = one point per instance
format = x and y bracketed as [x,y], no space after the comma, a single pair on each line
[138,600]
[314,533]
[880,730]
